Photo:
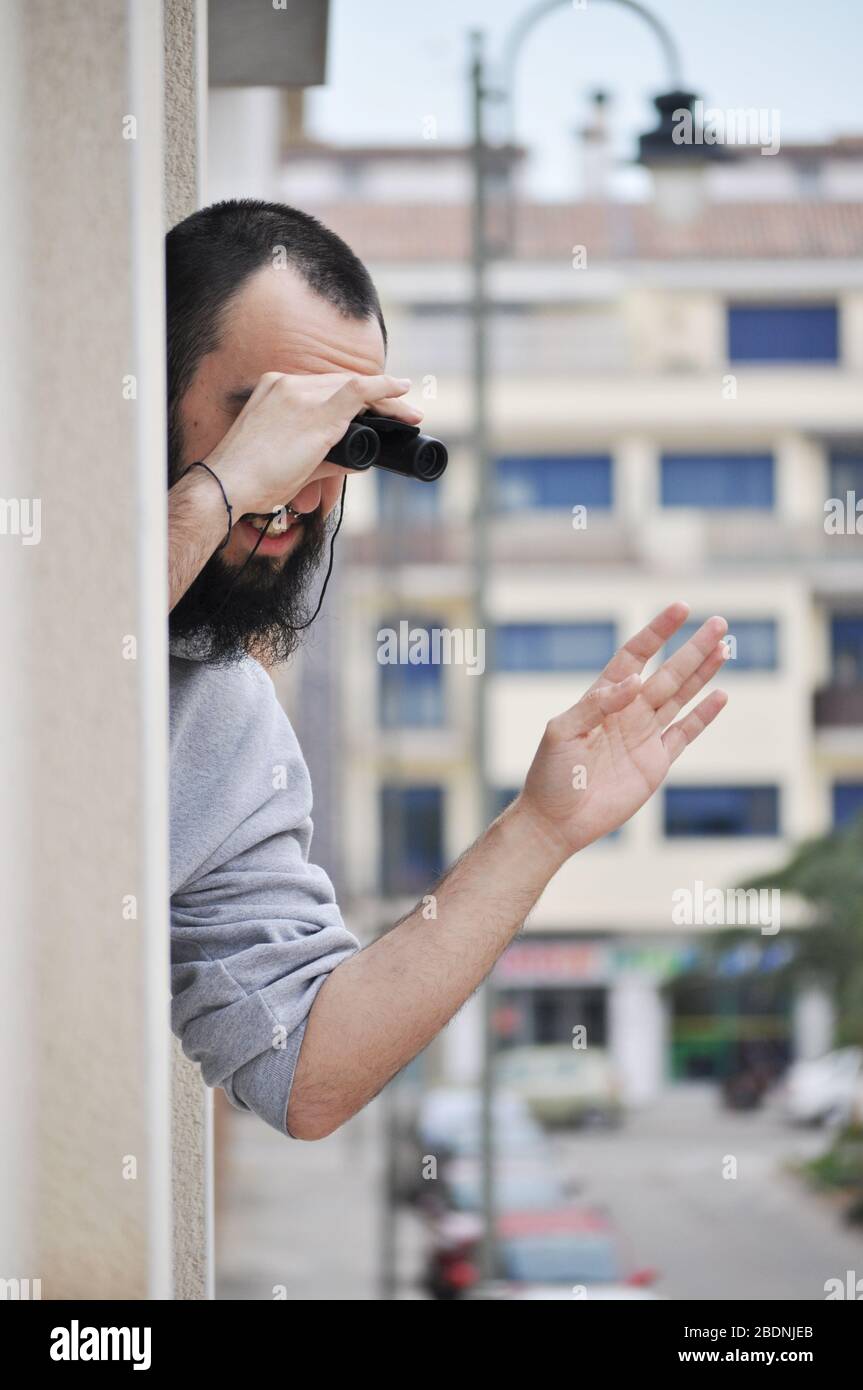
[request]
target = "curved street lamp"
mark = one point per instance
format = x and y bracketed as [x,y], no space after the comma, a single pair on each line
[677,168]
[524,27]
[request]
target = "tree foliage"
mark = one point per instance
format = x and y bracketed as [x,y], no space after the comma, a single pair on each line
[827,873]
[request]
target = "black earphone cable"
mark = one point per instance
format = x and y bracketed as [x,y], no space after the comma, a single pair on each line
[309,622]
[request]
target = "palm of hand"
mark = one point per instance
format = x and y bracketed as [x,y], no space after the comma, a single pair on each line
[600,761]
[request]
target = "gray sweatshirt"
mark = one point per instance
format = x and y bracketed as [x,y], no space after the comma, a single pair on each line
[255,928]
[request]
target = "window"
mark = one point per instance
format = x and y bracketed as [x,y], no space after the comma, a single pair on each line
[754,646]
[548,481]
[411,838]
[412,696]
[717,480]
[406,500]
[846,473]
[554,646]
[721,811]
[847,803]
[847,644]
[783,333]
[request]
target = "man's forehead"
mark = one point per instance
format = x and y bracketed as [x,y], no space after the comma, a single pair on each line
[277,323]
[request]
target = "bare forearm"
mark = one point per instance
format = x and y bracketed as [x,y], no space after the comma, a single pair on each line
[379,1009]
[197,522]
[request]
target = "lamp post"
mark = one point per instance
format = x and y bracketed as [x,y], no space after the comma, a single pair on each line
[677,165]
[678,168]
[484,481]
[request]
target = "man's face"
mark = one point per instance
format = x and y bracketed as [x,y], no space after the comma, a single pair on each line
[276,324]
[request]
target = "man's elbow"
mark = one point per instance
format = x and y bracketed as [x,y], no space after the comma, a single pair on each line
[314,1120]
[322,1097]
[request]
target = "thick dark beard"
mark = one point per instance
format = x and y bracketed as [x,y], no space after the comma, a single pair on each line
[261,613]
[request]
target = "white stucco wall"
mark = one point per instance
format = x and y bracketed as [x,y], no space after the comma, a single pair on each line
[87,808]
[85,1148]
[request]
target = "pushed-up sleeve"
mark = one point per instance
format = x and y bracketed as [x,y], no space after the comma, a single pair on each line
[255,927]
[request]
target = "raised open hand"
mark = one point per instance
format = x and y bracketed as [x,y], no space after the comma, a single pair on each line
[599,761]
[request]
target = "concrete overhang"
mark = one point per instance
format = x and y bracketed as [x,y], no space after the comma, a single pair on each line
[255,44]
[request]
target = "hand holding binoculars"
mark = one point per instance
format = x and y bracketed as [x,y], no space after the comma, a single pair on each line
[386,443]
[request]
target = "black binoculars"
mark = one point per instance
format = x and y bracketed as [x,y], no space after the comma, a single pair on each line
[388,443]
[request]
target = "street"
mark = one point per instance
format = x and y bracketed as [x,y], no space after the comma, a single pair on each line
[761,1235]
[305,1218]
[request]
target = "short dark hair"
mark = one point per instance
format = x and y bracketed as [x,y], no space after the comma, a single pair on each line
[210,255]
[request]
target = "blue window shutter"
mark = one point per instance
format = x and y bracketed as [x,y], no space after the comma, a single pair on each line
[847,803]
[721,812]
[847,649]
[846,473]
[757,643]
[411,837]
[554,646]
[717,481]
[411,696]
[548,481]
[783,333]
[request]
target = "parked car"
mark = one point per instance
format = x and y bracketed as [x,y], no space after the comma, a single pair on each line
[447,1126]
[519,1184]
[567,1252]
[824,1091]
[450,1121]
[563,1085]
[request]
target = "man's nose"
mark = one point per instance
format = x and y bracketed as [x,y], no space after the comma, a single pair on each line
[309,499]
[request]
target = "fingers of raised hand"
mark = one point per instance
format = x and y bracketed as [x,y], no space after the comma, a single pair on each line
[668,680]
[639,649]
[681,734]
[696,682]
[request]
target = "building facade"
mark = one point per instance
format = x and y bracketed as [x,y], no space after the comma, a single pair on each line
[672,410]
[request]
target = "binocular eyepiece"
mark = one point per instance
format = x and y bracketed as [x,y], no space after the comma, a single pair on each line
[386,443]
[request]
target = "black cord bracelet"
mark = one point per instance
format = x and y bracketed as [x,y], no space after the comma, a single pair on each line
[199,463]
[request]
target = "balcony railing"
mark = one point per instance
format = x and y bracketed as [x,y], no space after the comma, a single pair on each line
[609,538]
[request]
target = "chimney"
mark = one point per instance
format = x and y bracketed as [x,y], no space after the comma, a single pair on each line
[596,151]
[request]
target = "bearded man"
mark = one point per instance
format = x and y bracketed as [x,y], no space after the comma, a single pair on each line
[276,342]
